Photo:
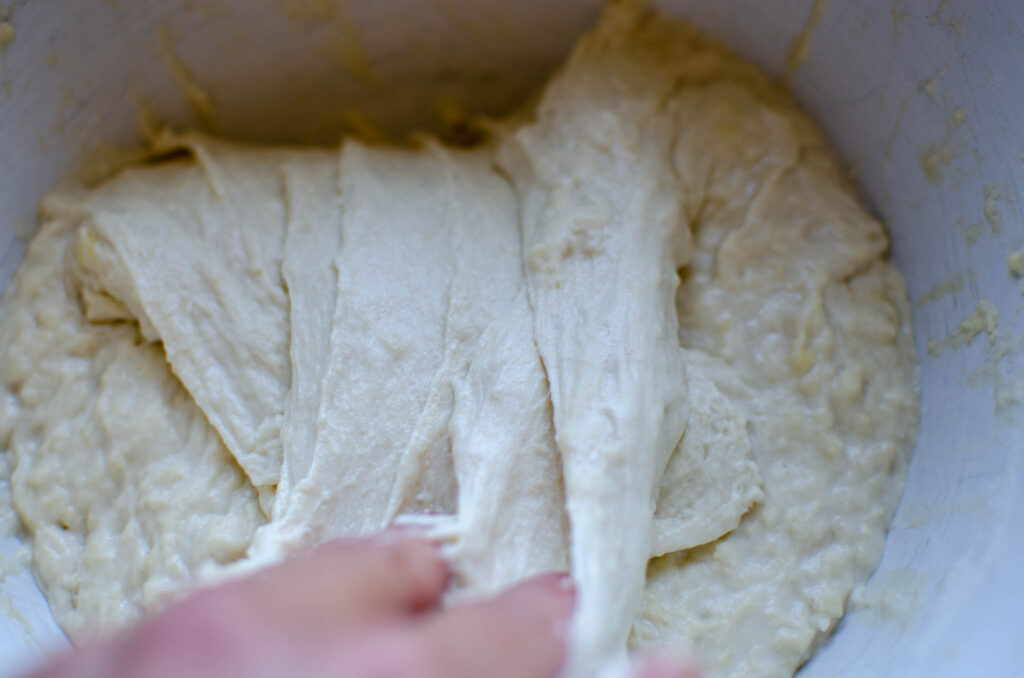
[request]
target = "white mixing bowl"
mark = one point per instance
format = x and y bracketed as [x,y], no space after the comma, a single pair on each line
[922,98]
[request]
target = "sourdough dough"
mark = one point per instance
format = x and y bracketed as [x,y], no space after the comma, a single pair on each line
[645,332]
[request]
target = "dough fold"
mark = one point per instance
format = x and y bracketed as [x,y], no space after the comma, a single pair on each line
[194,252]
[603,237]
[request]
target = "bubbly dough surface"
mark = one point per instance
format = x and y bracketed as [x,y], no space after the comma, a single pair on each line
[646,333]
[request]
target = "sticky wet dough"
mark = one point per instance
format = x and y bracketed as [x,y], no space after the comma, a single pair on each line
[646,332]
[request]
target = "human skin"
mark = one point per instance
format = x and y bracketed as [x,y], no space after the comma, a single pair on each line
[360,608]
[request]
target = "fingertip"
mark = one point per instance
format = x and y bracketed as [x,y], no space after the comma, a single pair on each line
[557,582]
[521,633]
[404,553]
[552,593]
[418,562]
[545,604]
[348,581]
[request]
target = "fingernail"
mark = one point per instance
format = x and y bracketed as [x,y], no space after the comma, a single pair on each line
[563,580]
[390,535]
[669,663]
[557,598]
[566,581]
[394,534]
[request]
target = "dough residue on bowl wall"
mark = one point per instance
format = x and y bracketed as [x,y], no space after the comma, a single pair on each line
[645,331]
[6,34]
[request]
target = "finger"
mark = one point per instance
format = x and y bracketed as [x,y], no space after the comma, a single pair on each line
[667,665]
[519,634]
[348,582]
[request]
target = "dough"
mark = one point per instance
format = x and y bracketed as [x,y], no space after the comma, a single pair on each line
[645,332]
[421,233]
[806,330]
[602,239]
[212,295]
[507,468]
[123,484]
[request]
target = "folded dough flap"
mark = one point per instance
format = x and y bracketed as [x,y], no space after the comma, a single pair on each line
[428,243]
[313,194]
[711,479]
[485,276]
[191,249]
[107,293]
[512,520]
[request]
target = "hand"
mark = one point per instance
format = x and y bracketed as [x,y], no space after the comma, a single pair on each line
[363,608]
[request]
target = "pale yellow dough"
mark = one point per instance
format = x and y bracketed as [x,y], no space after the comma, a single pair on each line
[645,333]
